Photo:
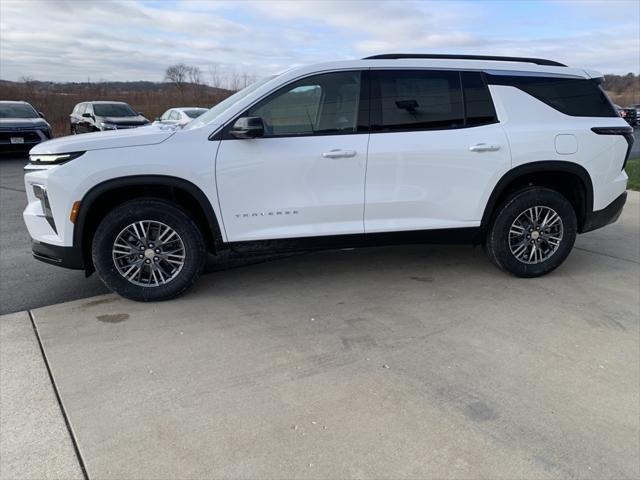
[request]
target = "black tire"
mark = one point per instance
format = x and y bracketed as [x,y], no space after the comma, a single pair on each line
[501,246]
[157,212]
[74,131]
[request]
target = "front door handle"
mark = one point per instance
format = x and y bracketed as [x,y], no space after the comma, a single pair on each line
[484,147]
[337,153]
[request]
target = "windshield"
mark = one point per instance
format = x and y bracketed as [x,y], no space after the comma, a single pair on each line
[195,113]
[17,110]
[214,112]
[113,110]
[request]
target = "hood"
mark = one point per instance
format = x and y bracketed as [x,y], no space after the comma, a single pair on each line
[134,137]
[125,120]
[22,122]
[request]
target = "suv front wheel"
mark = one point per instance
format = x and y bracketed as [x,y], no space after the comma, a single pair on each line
[532,232]
[148,250]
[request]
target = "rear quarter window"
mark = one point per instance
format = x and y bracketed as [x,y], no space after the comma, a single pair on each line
[577,97]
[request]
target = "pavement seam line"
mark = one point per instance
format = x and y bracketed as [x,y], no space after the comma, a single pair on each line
[606,255]
[59,399]
[12,189]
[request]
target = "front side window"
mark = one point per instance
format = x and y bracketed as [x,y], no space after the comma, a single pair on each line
[416,100]
[322,104]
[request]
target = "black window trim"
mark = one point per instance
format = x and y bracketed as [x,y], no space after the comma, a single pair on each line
[363,108]
[377,106]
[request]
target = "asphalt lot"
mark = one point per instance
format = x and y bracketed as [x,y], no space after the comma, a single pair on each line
[403,362]
[26,283]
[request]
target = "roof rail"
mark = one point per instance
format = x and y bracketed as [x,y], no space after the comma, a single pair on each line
[395,56]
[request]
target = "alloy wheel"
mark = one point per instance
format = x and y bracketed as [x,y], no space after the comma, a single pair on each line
[535,235]
[148,253]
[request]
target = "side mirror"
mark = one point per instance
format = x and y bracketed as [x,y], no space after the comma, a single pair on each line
[158,119]
[41,114]
[141,114]
[87,115]
[248,127]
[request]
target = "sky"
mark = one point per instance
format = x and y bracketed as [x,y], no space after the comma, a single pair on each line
[77,40]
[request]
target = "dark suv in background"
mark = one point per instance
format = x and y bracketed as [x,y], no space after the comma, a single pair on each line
[21,126]
[97,116]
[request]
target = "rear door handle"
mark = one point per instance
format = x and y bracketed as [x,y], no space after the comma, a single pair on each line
[337,153]
[484,147]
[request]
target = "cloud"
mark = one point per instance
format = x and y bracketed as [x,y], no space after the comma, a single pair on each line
[64,40]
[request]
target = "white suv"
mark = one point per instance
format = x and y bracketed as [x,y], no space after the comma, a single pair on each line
[518,154]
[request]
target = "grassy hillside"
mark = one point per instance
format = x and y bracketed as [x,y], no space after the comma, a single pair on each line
[623,89]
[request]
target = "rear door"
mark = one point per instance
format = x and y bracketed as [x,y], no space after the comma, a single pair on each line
[435,152]
[305,176]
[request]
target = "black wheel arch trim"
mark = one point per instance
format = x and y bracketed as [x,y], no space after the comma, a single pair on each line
[538,167]
[144,180]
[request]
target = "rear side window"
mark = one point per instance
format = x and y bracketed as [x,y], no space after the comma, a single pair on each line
[577,97]
[416,100]
[478,105]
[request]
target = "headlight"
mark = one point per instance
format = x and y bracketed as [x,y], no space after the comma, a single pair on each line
[108,126]
[53,159]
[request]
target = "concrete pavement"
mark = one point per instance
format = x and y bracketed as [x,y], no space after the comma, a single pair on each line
[34,440]
[406,362]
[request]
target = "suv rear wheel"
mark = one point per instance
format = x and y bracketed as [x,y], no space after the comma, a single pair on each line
[532,232]
[148,250]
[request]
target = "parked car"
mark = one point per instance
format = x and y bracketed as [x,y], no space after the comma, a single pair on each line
[21,126]
[181,115]
[98,116]
[387,149]
[634,111]
[629,114]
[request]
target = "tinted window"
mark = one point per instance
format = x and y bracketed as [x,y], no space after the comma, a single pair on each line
[194,113]
[478,105]
[17,110]
[113,110]
[321,104]
[417,99]
[578,97]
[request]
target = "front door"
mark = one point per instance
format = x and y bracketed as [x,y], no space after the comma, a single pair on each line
[305,177]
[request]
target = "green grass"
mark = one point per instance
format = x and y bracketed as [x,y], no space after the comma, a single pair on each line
[633,171]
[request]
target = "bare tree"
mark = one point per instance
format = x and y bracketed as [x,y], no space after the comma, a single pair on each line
[195,75]
[214,73]
[178,75]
